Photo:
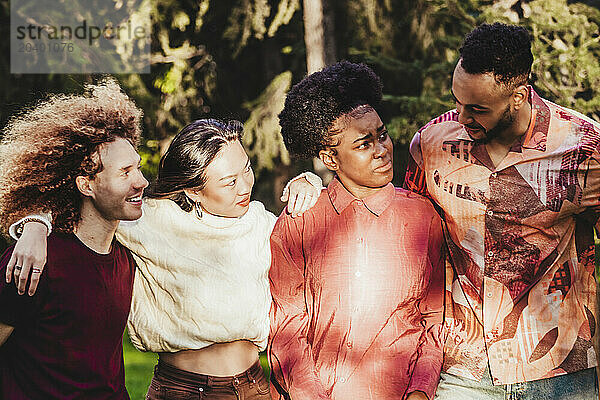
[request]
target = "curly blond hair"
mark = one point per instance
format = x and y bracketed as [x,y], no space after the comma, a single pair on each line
[45,148]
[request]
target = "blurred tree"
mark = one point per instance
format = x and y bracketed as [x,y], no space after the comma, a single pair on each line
[314,34]
[566,48]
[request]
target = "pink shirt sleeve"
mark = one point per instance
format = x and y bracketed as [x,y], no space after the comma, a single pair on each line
[290,356]
[426,373]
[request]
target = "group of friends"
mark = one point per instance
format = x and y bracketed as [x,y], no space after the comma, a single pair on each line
[474,281]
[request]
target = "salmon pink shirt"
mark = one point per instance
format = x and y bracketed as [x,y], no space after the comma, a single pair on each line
[357,290]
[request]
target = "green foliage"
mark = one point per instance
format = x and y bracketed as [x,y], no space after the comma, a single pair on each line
[261,131]
[249,18]
[184,72]
[150,158]
[412,113]
[566,49]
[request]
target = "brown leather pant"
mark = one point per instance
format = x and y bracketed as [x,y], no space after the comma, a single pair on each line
[170,383]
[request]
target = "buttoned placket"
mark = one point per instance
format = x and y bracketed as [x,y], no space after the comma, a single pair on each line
[489,213]
[236,387]
[361,259]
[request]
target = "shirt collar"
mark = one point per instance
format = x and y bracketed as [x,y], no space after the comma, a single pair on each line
[535,137]
[376,203]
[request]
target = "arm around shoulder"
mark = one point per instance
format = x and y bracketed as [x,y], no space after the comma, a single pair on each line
[29,253]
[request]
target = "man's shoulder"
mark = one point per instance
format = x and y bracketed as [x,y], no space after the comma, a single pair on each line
[449,117]
[63,246]
[570,116]
[442,129]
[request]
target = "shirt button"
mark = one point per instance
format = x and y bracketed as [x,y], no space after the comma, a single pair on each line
[358,202]
[343,380]
[490,213]
[494,175]
[489,294]
[201,389]
[349,344]
[357,274]
[490,253]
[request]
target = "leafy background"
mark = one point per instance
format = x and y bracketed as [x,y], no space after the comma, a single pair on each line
[236,59]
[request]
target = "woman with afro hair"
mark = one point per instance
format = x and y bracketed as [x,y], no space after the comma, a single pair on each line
[357,280]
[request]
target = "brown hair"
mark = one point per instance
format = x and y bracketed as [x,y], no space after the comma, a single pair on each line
[184,164]
[46,147]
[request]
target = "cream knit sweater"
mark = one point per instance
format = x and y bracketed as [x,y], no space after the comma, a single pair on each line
[198,281]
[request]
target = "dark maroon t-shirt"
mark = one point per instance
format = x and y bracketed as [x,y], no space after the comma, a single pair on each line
[67,342]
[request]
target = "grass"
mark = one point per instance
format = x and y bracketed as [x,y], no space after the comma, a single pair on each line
[139,368]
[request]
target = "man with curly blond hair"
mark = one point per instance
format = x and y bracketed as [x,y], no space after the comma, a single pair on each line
[73,157]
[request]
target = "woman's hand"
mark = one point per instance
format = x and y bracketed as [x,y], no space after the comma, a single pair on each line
[302,193]
[29,255]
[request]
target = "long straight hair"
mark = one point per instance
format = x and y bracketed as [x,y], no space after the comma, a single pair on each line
[184,164]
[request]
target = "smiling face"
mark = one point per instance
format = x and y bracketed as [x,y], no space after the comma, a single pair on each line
[116,191]
[229,182]
[485,107]
[362,156]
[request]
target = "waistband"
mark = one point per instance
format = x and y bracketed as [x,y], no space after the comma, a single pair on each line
[190,378]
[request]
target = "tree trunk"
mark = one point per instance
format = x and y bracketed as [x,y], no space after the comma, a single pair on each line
[314,36]
[314,40]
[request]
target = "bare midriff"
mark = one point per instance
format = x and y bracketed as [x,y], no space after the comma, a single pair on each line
[219,359]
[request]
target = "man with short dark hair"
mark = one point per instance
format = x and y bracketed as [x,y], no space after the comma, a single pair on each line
[517,180]
[73,156]
[357,281]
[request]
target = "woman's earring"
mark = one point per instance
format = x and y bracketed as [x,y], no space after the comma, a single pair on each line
[198,208]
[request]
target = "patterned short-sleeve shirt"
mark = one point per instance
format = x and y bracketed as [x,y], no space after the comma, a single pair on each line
[523,293]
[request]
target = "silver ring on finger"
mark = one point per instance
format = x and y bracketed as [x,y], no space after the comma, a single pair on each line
[17,267]
[36,270]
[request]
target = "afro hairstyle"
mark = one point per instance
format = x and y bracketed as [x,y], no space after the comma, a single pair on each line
[313,104]
[503,50]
